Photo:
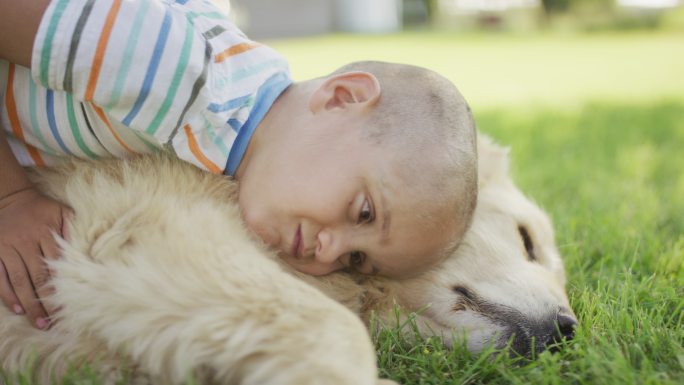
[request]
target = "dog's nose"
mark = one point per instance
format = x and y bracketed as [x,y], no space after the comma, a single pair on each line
[564,330]
[566,326]
[548,335]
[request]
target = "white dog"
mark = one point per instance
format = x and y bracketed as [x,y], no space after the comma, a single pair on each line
[160,273]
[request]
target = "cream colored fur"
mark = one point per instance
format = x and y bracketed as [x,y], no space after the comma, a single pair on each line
[159,273]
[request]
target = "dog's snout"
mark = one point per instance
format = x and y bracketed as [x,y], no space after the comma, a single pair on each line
[564,330]
[566,326]
[550,334]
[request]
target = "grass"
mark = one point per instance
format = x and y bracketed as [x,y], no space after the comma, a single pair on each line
[506,71]
[596,126]
[612,177]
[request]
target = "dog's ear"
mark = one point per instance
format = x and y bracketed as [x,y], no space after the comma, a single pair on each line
[492,160]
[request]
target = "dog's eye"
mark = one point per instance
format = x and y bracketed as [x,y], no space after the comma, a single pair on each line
[466,299]
[463,292]
[527,241]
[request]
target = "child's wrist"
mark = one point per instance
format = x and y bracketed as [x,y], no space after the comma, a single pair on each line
[11,192]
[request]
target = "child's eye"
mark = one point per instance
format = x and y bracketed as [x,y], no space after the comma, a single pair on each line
[356,260]
[366,215]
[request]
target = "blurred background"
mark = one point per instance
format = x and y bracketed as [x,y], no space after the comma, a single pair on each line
[498,52]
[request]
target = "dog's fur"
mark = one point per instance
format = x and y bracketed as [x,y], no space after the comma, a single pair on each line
[160,273]
[506,280]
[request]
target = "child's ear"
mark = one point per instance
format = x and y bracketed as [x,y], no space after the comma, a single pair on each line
[346,90]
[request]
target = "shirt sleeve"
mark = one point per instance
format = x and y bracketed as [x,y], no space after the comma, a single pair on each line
[140,61]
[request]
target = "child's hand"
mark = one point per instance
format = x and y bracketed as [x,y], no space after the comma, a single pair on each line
[27,222]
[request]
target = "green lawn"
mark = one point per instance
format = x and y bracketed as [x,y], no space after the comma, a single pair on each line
[596,126]
[495,71]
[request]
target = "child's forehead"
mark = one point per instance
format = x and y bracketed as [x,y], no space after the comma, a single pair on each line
[411,182]
[419,203]
[416,243]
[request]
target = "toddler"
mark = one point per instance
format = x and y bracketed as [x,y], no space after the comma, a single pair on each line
[372,168]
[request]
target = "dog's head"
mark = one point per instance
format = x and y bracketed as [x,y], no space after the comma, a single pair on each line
[506,280]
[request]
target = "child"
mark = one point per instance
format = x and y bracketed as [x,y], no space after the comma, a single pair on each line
[371,168]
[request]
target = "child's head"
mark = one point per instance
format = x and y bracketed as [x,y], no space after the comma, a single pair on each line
[373,167]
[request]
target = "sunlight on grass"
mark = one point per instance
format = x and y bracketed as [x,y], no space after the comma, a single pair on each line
[524,70]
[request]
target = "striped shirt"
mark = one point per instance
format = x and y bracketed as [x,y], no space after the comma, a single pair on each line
[121,77]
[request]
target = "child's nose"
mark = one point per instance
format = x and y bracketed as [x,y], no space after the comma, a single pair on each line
[328,249]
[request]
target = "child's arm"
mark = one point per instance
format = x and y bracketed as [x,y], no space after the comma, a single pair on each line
[19,22]
[27,221]
[27,218]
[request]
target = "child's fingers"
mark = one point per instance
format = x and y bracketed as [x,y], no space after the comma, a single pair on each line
[45,292]
[50,251]
[32,257]
[9,298]
[49,248]
[20,279]
[67,216]
[38,271]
